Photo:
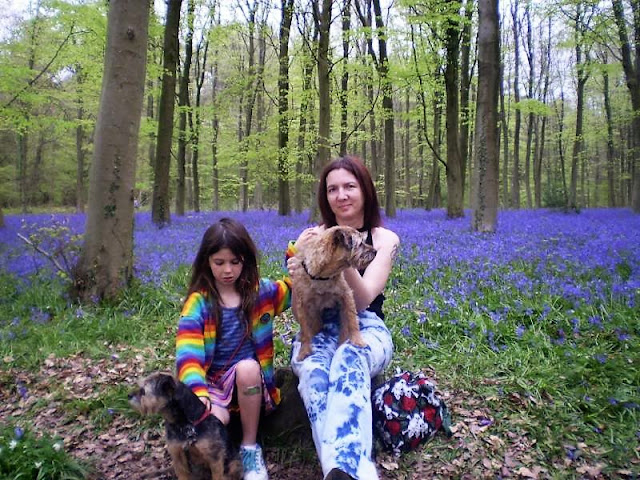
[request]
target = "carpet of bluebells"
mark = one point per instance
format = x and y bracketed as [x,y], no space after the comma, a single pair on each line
[548,308]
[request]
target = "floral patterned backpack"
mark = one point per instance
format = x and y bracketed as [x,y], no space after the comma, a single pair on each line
[407,412]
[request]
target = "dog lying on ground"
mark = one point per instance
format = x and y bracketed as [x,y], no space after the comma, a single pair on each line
[320,283]
[196,440]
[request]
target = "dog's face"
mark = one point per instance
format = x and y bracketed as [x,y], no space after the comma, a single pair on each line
[336,249]
[153,393]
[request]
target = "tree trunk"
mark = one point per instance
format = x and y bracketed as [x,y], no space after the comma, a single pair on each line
[80,139]
[632,76]
[578,142]
[303,156]
[506,199]
[563,173]
[284,202]
[407,153]
[183,106]
[250,100]
[486,173]
[532,119]
[387,113]
[201,66]
[540,138]
[160,207]
[215,130]
[105,265]
[465,88]
[344,80]
[455,191]
[323,24]
[515,176]
[610,151]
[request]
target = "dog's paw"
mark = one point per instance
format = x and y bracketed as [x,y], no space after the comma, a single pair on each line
[305,351]
[357,340]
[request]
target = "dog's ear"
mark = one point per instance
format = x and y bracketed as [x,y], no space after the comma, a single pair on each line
[167,385]
[342,238]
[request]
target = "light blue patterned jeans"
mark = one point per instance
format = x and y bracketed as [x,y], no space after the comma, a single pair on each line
[335,386]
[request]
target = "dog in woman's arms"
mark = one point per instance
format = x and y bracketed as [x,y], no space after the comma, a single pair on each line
[320,282]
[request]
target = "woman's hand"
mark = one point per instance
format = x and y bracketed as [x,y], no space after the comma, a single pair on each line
[307,234]
[293,264]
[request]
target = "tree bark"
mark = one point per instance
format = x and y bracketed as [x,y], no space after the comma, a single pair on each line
[486,173]
[610,150]
[80,139]
[183,106]
[632,76]
[455,191]
[284,201]
[578,141]
[105,265]
[515,175]
[465,88]
[303,156]
[200,68]
[344,80]
[160,207]
[248,106]
[322,18]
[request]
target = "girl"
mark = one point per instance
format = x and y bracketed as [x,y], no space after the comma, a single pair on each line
[224,344]
[335,380]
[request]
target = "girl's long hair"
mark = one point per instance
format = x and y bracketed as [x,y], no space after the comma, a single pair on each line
[357,168]
[231,234]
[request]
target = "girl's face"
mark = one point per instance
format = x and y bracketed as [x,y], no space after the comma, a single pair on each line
[225,267]
[345,197]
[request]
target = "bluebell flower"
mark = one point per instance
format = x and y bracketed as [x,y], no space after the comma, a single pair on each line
[18,433]
[520,329]
[601,358]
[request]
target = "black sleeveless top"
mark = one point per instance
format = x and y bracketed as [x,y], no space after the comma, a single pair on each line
[376,305]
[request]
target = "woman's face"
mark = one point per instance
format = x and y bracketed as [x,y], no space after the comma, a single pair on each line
[226,267]
[345,197]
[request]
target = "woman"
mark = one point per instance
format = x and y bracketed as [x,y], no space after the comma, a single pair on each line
[335,380]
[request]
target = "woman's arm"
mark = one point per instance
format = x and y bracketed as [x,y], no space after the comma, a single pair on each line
[368,286]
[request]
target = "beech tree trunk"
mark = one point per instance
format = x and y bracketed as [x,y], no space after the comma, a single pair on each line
[455,187]
[105,265]
[631,66]
[160,207]
[284,202]
[183,105]
[515,175]
[322,18]
[486,174]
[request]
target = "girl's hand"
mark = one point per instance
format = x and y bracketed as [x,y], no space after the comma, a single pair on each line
[207,402]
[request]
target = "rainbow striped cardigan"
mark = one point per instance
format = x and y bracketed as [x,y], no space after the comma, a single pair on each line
[196,337]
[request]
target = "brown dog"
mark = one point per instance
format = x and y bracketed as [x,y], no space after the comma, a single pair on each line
[320,283]
[196,440]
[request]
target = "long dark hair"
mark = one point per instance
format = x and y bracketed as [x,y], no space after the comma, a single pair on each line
[231,234]
[352,164]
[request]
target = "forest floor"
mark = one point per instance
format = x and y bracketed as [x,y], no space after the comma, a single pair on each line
[119,444]
[61,401]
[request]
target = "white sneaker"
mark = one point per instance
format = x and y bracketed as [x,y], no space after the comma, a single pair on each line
[253,463]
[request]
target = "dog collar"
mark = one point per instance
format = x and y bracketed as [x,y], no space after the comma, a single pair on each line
[206,413]
[313,277]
